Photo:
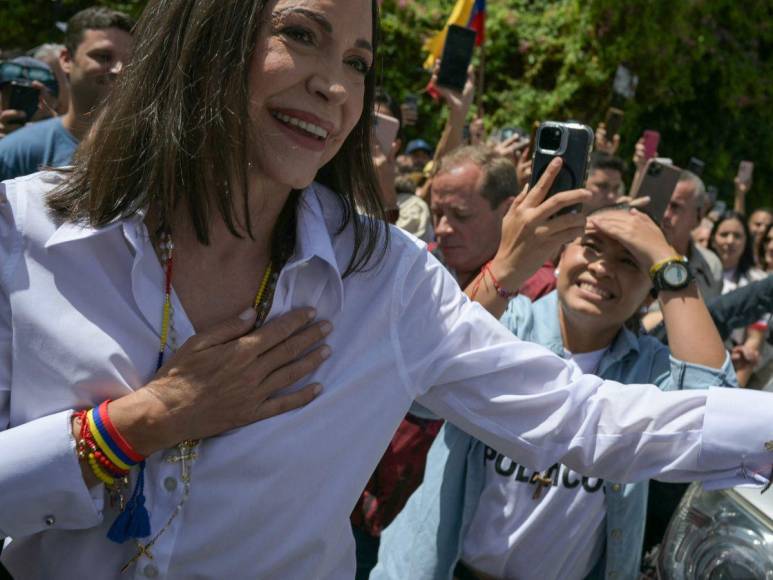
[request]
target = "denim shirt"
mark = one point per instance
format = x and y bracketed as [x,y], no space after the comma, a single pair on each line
[424,542]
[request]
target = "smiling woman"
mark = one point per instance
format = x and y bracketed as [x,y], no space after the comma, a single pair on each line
[204,349]
[175,129]
[731,241]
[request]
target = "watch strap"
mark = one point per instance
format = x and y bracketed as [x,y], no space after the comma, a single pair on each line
[658,266]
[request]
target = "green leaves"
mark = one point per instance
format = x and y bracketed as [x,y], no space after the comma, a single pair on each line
[705,70]
[29,23]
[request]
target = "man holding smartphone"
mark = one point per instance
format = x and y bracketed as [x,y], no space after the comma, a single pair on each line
[29,92]
[98,44]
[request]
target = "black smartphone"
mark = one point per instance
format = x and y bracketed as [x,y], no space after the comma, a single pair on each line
[613,122]
[457,55]
[658,183]
[21,96]
[572,142]
[696,166]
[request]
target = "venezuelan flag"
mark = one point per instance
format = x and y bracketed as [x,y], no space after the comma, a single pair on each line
[469,13]
[478,21]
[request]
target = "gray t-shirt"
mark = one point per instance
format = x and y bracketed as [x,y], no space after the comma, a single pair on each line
[46,143]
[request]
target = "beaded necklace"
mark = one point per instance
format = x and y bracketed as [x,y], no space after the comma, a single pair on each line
[186,449]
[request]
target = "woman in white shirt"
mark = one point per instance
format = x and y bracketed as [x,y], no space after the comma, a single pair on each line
[237,125]
[731,241]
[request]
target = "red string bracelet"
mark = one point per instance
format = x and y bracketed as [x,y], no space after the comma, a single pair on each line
[478,279]
[501,292]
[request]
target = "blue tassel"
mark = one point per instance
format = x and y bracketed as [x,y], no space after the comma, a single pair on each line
[134,520]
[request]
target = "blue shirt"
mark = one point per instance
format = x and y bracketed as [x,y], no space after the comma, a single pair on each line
[424,542]
[45,143]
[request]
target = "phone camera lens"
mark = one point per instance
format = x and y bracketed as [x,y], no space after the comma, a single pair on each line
[550,138]
[655,169]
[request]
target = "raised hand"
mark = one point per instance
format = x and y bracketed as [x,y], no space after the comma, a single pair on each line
[458,103]
[636,232]
[639,155]
[512,147]
[639,161]
[523,166]
[603,143]
[10,120]
[532,230]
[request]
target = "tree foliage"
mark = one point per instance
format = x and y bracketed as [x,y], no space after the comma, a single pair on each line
[705,69]
[29,23]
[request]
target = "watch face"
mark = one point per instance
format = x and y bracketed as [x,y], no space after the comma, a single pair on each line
[675,275]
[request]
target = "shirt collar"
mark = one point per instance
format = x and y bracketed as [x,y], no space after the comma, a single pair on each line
[72,232]
[313,231]
[316,226]
[319,217]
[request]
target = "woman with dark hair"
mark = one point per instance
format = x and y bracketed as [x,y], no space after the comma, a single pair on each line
[731,241]
[146,425]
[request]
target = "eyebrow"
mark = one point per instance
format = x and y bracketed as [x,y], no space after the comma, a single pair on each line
[324,23]
[601,241]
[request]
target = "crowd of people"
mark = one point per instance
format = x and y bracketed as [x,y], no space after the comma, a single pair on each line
[213,345]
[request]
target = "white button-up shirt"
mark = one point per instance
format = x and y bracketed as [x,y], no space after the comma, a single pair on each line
[80,314]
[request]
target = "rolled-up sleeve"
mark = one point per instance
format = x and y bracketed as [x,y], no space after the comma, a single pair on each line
[41,486]
[532,406]
[686,375]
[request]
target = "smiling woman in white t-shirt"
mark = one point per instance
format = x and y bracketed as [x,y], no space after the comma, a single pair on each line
[219,189]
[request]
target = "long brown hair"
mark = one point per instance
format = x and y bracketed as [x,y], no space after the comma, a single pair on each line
[175,126]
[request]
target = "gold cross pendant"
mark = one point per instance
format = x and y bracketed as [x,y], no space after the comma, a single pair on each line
[142,550]
[186,453]
[542,481]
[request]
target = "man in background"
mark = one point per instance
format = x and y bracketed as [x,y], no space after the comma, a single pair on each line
[471,193]
[683,214]
[26,72]
[98,45]
[605,180]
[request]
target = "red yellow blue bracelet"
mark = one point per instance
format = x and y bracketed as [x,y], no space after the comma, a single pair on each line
[110,458]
